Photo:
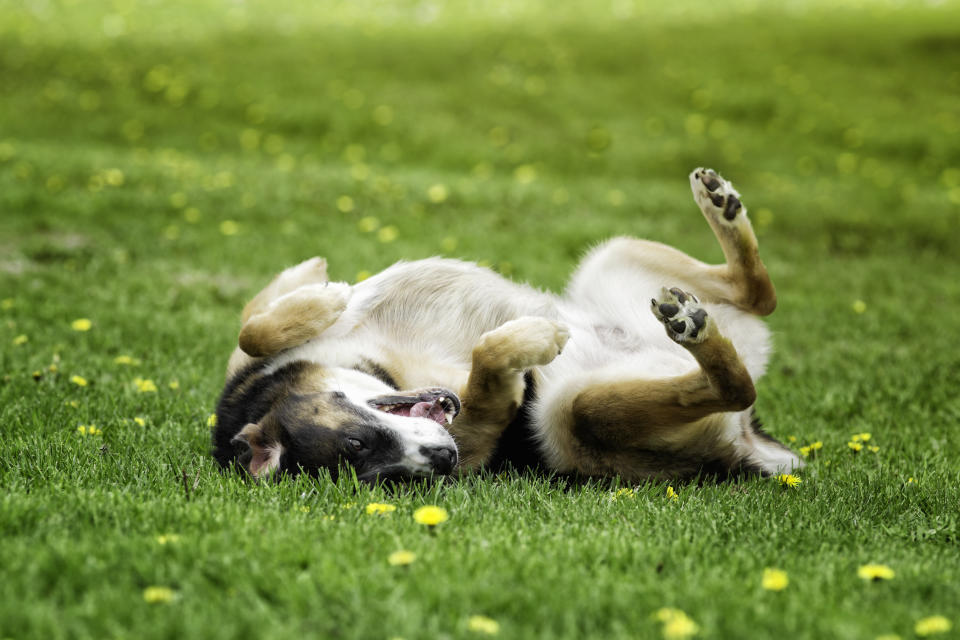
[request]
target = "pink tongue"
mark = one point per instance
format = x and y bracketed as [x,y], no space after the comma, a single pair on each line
[431,410]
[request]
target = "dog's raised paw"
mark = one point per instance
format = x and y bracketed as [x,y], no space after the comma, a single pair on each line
[526,342]
[716,197]
[680,312]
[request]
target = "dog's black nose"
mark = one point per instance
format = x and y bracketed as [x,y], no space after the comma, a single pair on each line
[443,459]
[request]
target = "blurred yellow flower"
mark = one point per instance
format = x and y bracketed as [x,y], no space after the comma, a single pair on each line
[91,430]
[158,595]
[774,579]
[81,324]
[875,572]
[525,174]
[127,360]
[671,494]
[859,306]
[229,228]
[388,234]
[212,420]
[430,515]
[145,386]
[7,303]
[20,339]
[861,437]
[932,625]
[80,381]
[677,625]
[483,624]
[626,492]
[168,538]
[140,422]
[789,480]
[345,204]
[855,446]
[174,384]
[368,224]
[437,193]
[401,558]
[380,509]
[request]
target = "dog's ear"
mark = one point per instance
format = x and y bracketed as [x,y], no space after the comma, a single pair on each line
[259,454]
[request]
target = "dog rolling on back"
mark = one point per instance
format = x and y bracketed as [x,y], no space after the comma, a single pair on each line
[644,368]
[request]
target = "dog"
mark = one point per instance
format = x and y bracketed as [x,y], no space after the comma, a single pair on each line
[644,368]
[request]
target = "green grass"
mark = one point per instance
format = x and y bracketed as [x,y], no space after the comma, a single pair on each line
[129,133]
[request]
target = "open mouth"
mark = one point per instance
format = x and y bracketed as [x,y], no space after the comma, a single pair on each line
[439,405]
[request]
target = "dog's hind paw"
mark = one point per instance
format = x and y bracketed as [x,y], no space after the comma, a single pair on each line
[680,312]
[716,197]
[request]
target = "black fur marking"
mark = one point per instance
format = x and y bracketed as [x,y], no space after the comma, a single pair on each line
[669,310]
[247,397]
[730,210]
[372,368]
[517,446]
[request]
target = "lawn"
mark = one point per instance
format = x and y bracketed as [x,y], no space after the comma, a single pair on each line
[159,162]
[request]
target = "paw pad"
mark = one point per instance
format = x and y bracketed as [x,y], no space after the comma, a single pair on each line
[715,195]
[681,314]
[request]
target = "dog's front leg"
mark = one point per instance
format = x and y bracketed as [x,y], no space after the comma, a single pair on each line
[495,386]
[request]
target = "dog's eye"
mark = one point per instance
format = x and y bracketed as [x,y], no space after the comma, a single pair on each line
[357,444]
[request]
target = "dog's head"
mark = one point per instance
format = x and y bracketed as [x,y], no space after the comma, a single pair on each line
[354,420]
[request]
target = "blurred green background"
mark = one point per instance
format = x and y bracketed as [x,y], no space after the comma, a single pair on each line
[160,161]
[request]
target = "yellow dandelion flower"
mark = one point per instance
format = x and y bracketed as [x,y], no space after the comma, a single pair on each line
[303,508]
[774,579]
[865,436]
[401,558]
[229,228]
[80,381]
[140,422]
[368,224]
[126,360]
[174,384]
[158,595]
[53,368]
[483,624]
[380,509]
[816,446]
[875,572]
[874,448]
[430,515]
[388,233]
[20,339]
[345,204]
[859,306]
[805,451]
[671,494]
[37,374]
[168,538]
[888,636]
[910,480]
[677,625]
[438,193]
[622,493]
[81,324]
[791,439]
[855,446]
[932,625]
[525,174]
[144,386]
[789,480]
[212,420]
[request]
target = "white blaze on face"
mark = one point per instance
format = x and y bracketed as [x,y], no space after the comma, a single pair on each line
[413,433]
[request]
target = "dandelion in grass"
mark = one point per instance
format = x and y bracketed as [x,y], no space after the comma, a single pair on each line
[401,558]
[483,624]
[126,360]
[388,234]
[158,595]
[856,447]
[212,420]
[622,493]
[20,339]
[89,430]
[81,324]
[932,625]
[774,579]
[875,572]
[380,509]
[438,193]
[859,306]
[144,386]
[789,480]
[174,384]
[861,437]
[677,625]
[303,508]
[168,538]
[229,228]
[430,515]
[671,494]
[80,381]
[140,422]
[873,448]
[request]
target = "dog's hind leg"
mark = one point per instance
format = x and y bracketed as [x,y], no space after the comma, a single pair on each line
[743,281]
[495,386]
[312,271]
[611,420]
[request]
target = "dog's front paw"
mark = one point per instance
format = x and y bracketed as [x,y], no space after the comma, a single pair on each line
[523,343]
[716,197]
[680,312]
